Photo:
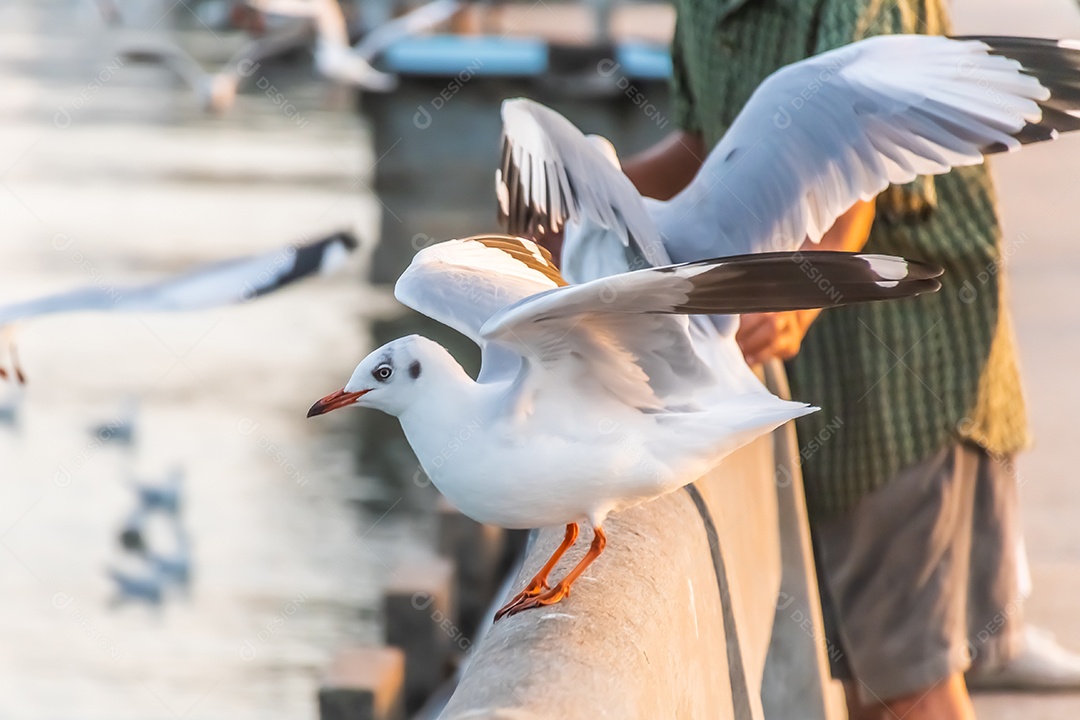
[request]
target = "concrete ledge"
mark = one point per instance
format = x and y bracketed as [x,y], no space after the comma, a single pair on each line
[419,607]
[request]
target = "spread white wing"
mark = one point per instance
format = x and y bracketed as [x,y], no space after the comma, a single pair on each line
[466,283]
[628,332]
[220,283]
[821,134]
[814,138]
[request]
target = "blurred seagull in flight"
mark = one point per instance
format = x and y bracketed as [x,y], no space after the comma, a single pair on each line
[220,283]
[304,22]
[216,91]
[592,398]
[349,65]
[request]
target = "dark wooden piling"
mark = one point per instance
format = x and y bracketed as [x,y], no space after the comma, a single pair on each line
[364,684]
[476,551]
[421,610]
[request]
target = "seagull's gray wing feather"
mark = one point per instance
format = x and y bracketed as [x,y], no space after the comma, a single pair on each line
[620,327]
[172,56]
[821,134]
[760,282]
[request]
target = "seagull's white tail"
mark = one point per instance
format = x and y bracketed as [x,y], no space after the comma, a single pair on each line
[707,438]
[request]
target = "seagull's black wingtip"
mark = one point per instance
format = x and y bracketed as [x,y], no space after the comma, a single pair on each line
[345,237]
[1056,65]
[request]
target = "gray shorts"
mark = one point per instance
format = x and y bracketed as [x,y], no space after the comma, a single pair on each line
[920,579]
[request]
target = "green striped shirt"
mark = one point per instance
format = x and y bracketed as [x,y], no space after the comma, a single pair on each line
[895,381]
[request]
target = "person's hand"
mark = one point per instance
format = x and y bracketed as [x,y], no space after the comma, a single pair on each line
[763,336]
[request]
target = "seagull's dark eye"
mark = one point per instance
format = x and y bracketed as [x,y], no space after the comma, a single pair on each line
[382,373]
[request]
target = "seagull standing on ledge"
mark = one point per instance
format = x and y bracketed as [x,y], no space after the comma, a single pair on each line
[591,398]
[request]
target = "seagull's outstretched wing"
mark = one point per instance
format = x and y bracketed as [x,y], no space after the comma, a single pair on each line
[462,283]
[628,331]
[216,92]
[466,283]
[411,23]
[551,174]
[244,279]
[819,135]
[761,282]
[221,283]
[621,327]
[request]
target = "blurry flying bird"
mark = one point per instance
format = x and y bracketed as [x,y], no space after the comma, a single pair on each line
[216,91]
[219,283]
[351,65]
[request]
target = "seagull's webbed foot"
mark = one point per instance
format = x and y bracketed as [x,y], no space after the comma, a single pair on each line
[539,583]
[532,590]
[552,596]
[562,588]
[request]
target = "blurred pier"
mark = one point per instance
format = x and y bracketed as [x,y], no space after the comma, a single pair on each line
[111,174]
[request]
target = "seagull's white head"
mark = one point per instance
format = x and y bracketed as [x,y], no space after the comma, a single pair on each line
[389,379]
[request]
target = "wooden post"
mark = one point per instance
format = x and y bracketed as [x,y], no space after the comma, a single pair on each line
[364,684]
[420,610]
[476,553]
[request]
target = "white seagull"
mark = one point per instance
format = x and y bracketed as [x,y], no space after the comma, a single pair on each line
[815,137]
[591,398]
[219,283]
[305,22]
[216,91]
[351,65]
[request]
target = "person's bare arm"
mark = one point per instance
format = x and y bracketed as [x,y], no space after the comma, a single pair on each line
[667,167]
[850,231]
[763,336]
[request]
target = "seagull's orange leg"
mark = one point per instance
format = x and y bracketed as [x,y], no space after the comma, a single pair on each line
[539,582]
[562,588]
[7,333]
[15,364]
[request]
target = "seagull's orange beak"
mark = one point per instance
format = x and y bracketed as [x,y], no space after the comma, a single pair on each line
[333,401]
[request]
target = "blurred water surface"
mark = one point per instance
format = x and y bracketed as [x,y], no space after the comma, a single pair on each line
[109,174]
